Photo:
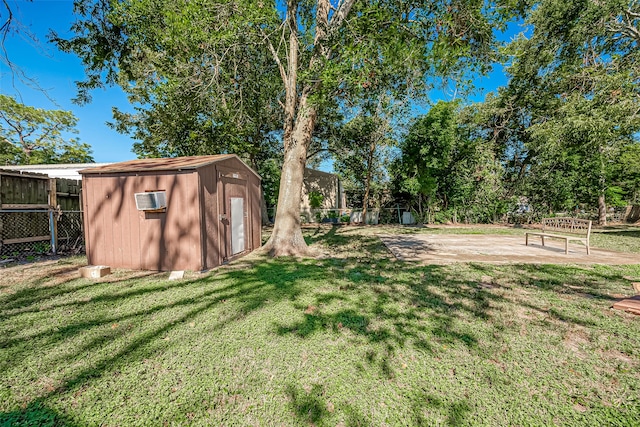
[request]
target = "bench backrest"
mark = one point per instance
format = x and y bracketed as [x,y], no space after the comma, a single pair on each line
[567,225]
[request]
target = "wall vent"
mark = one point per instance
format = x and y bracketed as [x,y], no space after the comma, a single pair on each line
[151,201]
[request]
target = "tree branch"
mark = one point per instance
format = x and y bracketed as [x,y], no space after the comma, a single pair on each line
[276,58]
[320,150]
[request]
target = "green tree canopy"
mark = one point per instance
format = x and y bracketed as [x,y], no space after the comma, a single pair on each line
[571,104]
[32,135]
[446,171]
[361,153]
[326,53]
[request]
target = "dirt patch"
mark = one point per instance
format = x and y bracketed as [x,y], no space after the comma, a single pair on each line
[619,357]
[54,272]
[42,272]
[496,249]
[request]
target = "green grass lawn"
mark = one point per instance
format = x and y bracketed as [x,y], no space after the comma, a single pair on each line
[351,339]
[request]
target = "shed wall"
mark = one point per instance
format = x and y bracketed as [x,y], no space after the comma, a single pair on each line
[211,222]
[254,197]
[215,192]
[119,235]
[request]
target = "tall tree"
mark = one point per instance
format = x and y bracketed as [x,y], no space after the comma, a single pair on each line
[360,153]
[195,89]
[582,62]
[30,135]
[627,172]
[426,158]
[445,167]
[324,50]
[571,104]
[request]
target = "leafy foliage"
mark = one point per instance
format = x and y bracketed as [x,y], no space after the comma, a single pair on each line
[201,83]
[361,152]
[32,135]
[315,199]
[446,172]
[212,59]
[571,106]
[627,172]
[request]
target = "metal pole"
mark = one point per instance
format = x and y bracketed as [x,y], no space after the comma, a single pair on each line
[53,233]
[53,204]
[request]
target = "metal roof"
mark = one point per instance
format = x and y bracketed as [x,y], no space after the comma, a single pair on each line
[158,165]
[59,170]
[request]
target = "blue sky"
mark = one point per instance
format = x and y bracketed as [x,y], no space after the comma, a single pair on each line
[57,72]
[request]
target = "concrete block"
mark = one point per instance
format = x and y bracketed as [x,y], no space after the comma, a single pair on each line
[94,271]
[176,275]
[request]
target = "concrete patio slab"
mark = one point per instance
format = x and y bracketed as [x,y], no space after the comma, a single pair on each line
[451,248]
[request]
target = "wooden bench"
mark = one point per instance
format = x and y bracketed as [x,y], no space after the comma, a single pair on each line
[572,229]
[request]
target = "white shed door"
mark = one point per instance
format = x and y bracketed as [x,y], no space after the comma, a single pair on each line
[237,225]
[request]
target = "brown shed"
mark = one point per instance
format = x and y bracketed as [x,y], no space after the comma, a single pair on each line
[184,213]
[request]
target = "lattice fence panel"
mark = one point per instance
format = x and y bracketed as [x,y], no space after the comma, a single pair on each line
[70,232]
[25,233]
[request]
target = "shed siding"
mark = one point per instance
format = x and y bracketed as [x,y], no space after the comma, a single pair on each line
[253,194]
[120,235]
[118,223]
[188,236]
[130,228]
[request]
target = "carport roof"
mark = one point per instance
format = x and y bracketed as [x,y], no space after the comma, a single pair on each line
[159,165]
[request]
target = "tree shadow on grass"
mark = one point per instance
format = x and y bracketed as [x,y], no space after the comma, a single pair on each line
[344,244]
[312,406]
[559,279]
[308,406]
[38,414]
[422,308]
[246,291]
[434,304]
[363,296]
[29,299]
[571,285]
[426,407]
[621,230]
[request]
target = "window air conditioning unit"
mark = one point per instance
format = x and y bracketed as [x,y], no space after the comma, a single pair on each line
[151,201]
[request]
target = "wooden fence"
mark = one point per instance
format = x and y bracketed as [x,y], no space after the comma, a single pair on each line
[38,214]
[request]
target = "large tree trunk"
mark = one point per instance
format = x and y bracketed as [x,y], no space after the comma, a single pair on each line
[367,184]
[602,210]
[287,235]
[299,123]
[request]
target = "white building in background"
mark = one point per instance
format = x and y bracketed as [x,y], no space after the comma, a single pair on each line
[327,184]
[68,171]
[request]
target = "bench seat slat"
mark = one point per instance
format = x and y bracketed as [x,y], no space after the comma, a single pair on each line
[558,236]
